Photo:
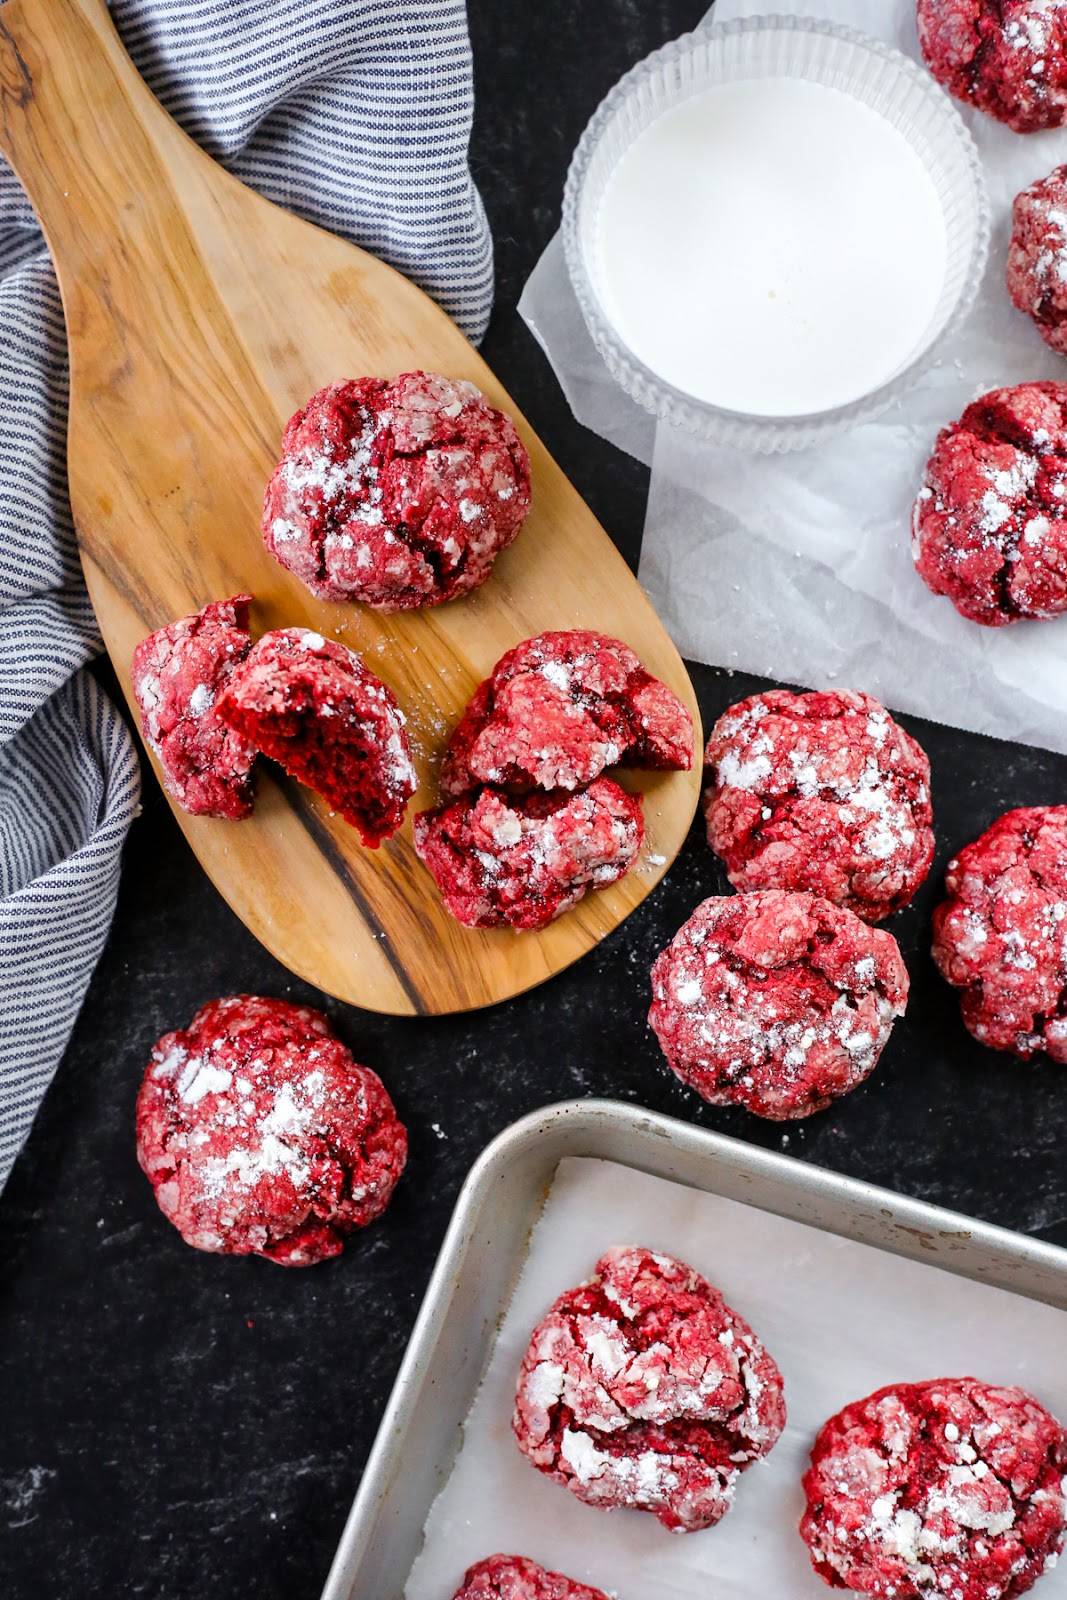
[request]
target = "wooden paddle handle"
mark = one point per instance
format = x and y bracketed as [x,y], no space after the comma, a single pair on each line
[77,122]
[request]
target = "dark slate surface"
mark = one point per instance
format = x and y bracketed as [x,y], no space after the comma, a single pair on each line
[173,1424]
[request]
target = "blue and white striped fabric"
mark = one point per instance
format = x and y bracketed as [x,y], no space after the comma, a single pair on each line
[353,113]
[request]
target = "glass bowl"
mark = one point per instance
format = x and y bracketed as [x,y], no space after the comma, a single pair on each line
[786,47]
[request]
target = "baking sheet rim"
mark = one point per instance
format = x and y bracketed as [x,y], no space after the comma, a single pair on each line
[555,1128]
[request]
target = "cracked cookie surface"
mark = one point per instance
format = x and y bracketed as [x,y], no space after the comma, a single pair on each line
[1007,57]
[529,823]
[1001,935]
[777,1002]
[523,860]
[260,1135]
[642,1388]
[989,528]
[1037,257]
[822,792]
[951,1487]
[178,674]
[560,708]
[398,493]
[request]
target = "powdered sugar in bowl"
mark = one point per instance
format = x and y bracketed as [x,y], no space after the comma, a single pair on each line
[773,227]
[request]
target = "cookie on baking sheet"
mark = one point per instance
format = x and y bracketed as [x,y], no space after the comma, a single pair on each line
[950,1488]
[518,1578]
[642,1388]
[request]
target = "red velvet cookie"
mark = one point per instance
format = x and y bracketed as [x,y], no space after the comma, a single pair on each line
[178,674]
[990,525]
[1037,257]
[820,792]
[398,494]
[261,1136]
[777,1002]
[312,705]
[524,860]
[642,1388]
[517,1578]
[1007,57]
[560,708]
[951,1488]
[1001,935]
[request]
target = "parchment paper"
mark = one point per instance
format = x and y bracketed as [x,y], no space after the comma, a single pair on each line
[841,1319]
[798,567]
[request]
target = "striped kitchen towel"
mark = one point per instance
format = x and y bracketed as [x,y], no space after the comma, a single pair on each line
[353,113]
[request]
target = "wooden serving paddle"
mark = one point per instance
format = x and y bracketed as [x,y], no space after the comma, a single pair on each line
[199,318]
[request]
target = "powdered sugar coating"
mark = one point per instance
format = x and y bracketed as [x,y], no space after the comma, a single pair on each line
[313,706]
[261,1136]
[1037,256]
[642,1388]
[820,792]
[777,1002]
[989,528]
[518,1578]
[178,673]
[1001,935]
[398,494]
[560,708]
[525,860]
[949,1488]
[1007,57]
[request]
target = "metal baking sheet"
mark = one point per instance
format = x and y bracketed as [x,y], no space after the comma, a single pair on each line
[486,1247]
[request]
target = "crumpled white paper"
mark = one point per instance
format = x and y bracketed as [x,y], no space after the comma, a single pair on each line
[840,1318]
[798,567]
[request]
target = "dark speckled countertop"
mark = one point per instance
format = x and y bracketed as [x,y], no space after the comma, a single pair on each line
[175,1424]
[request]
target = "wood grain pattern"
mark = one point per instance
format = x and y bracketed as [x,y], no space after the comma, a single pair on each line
[200,317]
